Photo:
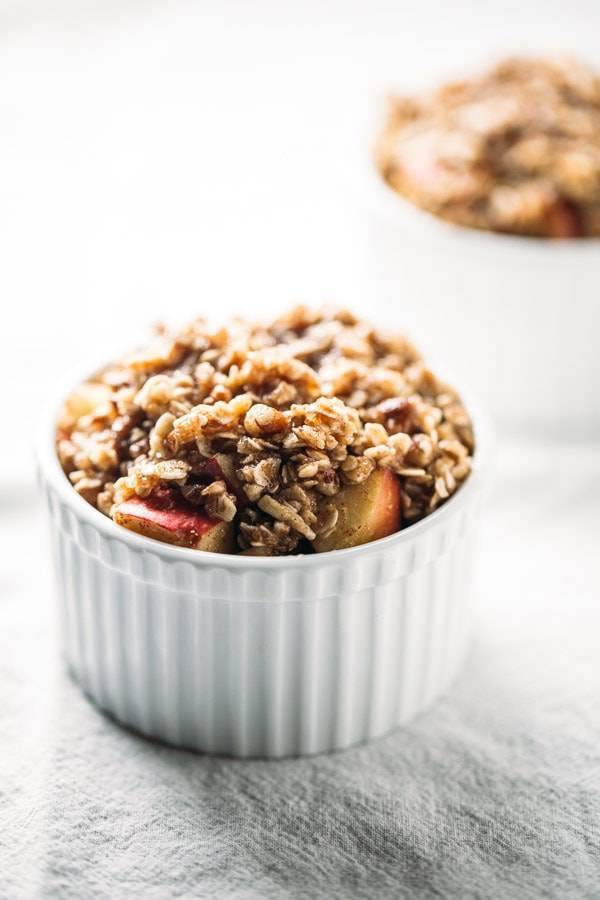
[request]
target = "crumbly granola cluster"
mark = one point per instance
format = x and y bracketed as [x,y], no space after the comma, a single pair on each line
[300,407]
[516,150]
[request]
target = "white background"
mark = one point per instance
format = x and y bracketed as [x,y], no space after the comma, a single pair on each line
[160,159]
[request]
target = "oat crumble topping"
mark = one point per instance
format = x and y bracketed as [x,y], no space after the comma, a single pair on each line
[262,427]
[515,150]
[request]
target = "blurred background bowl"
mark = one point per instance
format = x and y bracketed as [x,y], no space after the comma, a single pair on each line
[513,315]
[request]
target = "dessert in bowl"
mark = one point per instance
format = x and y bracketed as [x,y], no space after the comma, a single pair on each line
[515,150]
[263,533]
[485,194]
[267,439]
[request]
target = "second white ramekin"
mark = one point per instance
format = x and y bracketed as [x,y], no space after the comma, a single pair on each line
[262,657]
[519,317]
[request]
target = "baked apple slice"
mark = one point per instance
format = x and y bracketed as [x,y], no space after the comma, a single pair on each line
[165,517]
[85,398]
[366,512]
[563,220]
[221,467]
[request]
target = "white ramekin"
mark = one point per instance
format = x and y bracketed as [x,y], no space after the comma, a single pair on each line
[519,317]
[261,657]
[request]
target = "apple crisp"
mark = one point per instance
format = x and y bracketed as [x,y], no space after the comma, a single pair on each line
[515,150]
[312,432]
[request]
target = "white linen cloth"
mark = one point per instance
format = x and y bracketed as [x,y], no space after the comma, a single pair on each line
[494,793]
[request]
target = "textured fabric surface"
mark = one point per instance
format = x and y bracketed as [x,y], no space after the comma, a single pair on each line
[493,793]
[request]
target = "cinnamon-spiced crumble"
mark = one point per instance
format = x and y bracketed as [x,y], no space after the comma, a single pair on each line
[515,150]
[312,432]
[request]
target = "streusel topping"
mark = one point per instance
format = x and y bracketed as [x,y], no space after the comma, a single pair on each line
[516,150]
[294,411]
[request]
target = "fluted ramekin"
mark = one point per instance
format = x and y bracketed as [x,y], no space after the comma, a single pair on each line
[248,656]
[518,316]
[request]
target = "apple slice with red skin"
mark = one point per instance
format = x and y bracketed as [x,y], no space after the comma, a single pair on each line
[165,517]
[366,512]
[563,220]
[221,467]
